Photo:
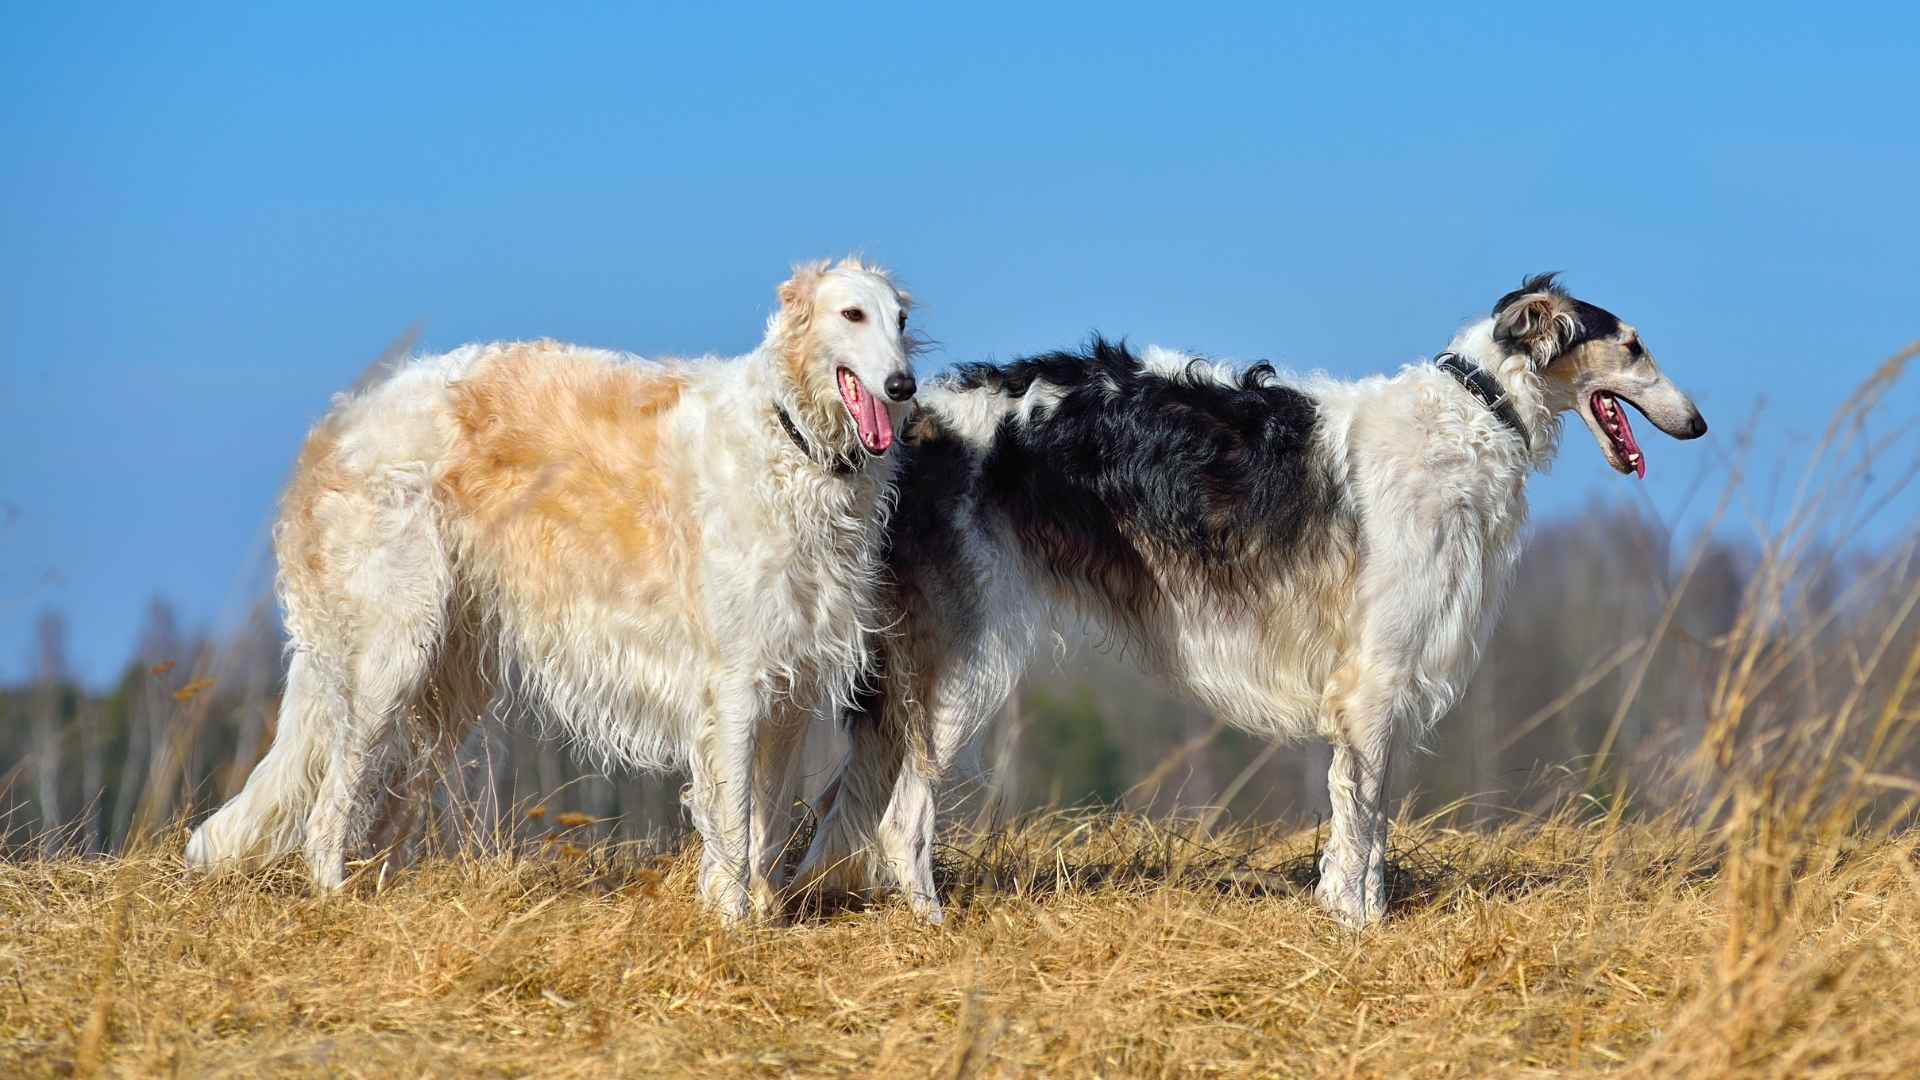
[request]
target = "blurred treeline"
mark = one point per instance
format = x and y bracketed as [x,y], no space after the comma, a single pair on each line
[1596,682]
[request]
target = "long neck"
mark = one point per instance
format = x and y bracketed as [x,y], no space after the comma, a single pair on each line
[1534,397]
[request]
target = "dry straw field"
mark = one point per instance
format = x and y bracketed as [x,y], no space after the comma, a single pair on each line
[1768,925]
[1081,947]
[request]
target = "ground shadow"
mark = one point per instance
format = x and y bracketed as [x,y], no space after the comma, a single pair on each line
[1120,854]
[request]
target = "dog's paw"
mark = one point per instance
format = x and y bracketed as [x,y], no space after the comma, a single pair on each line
[1351,907]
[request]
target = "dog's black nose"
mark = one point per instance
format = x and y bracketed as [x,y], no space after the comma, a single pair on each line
[1695,427]
[900,386]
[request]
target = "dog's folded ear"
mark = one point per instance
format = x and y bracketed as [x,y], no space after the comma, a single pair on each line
[797,291]
[1537,319]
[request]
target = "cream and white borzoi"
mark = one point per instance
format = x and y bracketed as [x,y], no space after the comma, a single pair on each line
[1307,556]
[671,561]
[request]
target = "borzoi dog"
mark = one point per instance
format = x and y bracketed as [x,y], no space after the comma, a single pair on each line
[1307,556]
[669,561]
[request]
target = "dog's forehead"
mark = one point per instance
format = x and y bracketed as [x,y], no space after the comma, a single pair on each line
[858,286]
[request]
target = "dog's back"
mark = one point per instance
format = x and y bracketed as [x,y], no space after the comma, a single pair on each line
[1197,511]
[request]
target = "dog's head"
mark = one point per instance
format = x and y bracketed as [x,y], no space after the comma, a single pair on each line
[1591,361]
[842,334]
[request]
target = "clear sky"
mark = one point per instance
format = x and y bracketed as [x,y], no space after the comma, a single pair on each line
[212,219]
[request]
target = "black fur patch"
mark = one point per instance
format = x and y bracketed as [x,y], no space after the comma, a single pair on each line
[936,487]
[1132,474]
[1595,322]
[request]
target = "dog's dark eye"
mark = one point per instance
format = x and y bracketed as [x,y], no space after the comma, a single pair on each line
[903,321]
[853,314]
[1634,348]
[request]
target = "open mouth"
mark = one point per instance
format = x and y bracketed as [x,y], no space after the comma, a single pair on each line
[1612,422]
[869,415]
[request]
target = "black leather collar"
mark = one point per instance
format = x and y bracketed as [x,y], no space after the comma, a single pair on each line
[1482,385]
[839,466]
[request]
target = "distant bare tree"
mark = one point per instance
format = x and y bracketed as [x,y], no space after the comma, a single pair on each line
[51,677]
[93,775]
[160,653]
[252,672]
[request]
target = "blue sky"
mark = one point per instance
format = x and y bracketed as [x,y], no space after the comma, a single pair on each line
[213,219]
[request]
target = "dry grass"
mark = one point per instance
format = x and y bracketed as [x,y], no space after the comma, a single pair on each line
[1077,946]
[1772,931]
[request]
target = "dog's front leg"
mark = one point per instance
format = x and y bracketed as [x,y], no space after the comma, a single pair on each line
[776,755]
[720,798]
[906,841]
[1353,867]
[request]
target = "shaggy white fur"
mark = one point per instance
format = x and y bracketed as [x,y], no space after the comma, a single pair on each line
[667,561]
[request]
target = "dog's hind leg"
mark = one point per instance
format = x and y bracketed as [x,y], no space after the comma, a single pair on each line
[267,819]
[456,696]
[374,747]
[394,608]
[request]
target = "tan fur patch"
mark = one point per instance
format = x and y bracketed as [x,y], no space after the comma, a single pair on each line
[816,398]
[316,474]
[557,468]
[1593,356]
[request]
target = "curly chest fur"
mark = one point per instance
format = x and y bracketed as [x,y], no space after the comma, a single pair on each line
[798,603]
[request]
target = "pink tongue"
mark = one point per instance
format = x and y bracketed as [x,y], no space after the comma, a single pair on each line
[876,434]
[1626,437]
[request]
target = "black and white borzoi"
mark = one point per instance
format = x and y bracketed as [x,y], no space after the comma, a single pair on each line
[1308,556]
[670,561]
